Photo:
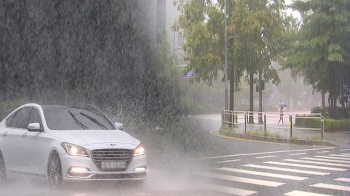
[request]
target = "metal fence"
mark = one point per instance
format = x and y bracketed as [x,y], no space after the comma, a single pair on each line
[269,123]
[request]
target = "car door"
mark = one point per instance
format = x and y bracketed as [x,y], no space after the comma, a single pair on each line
[13,138]
[36,147]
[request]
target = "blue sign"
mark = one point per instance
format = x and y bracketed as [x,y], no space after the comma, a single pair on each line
[188,74]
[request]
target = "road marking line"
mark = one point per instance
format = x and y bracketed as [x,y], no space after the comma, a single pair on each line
[242,179]
[317,163]
[323,152]
[262,173]
[264,157]
[343,179]
[338,155]
[331,186]
[302,193]
[326,160]
[272,152]
[306,166]
[328,157]
[297,154]
[287,170]
[228,161]
[228,190]
[344,150]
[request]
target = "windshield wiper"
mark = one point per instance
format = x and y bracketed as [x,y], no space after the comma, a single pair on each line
[93,120]
[77,121]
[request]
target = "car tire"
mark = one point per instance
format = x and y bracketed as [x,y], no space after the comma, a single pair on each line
[54,171]
[3,177]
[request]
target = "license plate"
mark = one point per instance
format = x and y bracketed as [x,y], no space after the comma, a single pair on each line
[113,164]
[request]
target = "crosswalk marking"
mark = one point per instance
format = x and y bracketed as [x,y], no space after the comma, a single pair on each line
[331,186]
[297,154]
[306,166]
[228,161]
[228,190]
[242,179]
[343,179]
[339,155]
[329,157]
[317,163]
[287,170]
[302,193]
[262,173]
[264,157]
[323,152]
[326,160]
[344,150]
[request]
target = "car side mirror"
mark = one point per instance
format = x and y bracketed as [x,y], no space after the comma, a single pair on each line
[34,127]
[119,126]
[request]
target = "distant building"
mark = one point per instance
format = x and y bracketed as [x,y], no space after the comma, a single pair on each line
[164,13]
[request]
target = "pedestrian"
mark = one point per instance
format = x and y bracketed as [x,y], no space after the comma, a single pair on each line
[281,116]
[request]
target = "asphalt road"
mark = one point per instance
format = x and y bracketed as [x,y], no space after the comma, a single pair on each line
[225,167]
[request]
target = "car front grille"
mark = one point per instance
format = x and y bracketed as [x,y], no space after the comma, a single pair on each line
[101,156]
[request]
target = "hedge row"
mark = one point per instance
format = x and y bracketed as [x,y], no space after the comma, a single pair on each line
[329,124]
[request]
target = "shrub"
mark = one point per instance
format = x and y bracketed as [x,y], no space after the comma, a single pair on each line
[329,124]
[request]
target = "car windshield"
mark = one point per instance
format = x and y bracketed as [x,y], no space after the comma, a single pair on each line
[75,118]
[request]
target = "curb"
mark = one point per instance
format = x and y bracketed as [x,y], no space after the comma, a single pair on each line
[276,140]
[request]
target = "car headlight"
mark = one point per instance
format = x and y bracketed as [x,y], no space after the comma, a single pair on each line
[74,150]
[139,150]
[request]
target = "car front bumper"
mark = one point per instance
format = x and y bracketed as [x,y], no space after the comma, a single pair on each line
[87,169]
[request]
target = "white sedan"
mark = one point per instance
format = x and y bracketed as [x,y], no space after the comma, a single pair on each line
[61,143]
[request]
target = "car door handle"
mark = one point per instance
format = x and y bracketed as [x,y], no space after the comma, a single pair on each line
[4,134]
[24,135]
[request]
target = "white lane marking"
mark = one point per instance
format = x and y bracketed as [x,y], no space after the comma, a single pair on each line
[317,163]
[323,152]
[261,153]
[344,150]
[242,179]
[264,157]
[343,179]
[302,193]
[325,160]
[306,166]
[228,190]
[228,161]
[328,157]
[331,186]
[287,170]
[297,154]
[262,173]
[339,155]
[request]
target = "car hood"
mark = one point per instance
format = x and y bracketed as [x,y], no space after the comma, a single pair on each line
[86,137]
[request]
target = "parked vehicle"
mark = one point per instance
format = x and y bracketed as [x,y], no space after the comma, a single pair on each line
[62,143]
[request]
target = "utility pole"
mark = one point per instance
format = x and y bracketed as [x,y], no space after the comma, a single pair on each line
[226,85]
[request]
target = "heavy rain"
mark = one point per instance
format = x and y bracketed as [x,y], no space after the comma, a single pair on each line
[227,97]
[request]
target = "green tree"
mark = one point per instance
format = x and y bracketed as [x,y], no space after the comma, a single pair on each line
[253,29]
[320,51]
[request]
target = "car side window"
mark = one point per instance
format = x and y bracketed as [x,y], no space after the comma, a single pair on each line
[35,117]
[21,117]
[9,120]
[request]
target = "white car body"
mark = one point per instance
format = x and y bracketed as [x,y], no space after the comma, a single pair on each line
[110,154]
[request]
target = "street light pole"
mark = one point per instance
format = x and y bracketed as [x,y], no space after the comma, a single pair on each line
[226,88]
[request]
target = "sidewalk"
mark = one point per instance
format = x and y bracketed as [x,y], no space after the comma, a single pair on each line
[303,135]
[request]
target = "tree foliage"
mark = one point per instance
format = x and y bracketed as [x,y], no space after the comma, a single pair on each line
[95,52]
[253,28]
[320,49]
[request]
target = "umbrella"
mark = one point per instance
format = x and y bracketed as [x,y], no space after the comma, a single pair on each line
[283,105]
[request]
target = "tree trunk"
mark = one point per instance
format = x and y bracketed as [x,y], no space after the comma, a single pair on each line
[260,99]
[251,99]
[232,91]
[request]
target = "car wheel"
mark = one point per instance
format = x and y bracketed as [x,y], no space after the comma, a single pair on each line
[3,177]
[54,171]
